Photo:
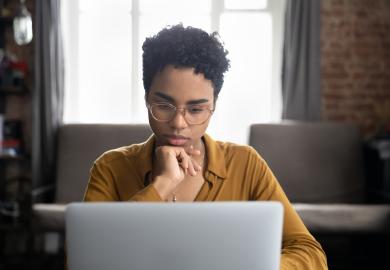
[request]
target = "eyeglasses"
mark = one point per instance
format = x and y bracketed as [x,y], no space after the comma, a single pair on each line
[193,114]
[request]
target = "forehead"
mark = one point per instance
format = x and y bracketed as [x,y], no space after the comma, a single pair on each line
[181,84]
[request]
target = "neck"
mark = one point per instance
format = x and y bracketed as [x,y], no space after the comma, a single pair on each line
[200,146]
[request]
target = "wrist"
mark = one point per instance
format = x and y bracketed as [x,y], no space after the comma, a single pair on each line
[163,186]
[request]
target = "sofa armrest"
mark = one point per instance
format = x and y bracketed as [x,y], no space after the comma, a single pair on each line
[42,194]
[334,219]
[49,217]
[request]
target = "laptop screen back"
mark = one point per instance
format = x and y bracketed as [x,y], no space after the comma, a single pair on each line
[174,236]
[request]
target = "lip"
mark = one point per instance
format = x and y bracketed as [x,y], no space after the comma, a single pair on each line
[176,140]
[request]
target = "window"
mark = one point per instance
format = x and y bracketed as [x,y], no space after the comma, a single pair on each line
[103,39]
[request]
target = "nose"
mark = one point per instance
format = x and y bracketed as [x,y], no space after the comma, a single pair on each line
[178,121]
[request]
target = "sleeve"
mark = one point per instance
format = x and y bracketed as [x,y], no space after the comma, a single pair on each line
[300,250]
[102,186]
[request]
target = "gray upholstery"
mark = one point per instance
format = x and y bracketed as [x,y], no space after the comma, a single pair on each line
[49,217]
[78,146]
[345,218]
[314,162]
[320,167]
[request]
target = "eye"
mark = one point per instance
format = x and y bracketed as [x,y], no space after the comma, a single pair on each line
[196,109]
[164,106]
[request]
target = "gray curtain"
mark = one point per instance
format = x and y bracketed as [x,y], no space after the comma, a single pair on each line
[301,82]
[48,96]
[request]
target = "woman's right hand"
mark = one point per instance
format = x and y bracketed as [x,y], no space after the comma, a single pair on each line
[170,166]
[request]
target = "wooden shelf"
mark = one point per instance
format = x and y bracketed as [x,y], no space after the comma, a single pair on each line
[13,90]
[6,19]
[12,158]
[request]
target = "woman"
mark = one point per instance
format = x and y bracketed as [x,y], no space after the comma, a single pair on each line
[183,71]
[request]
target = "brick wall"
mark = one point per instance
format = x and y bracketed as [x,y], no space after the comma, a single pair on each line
[355,47]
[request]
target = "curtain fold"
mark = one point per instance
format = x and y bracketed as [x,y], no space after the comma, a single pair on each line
[48,94]
[301,82]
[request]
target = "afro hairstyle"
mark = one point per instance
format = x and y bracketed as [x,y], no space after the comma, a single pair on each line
[185,47]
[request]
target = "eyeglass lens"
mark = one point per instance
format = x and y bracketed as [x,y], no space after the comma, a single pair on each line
[193,114]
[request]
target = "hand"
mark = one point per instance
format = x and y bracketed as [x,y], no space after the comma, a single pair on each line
[171,165]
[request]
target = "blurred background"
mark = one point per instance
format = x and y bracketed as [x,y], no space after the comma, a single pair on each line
[66,62]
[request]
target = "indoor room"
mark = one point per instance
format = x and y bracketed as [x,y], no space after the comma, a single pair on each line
[209,107]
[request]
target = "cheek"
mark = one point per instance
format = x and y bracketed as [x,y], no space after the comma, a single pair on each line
[154,125]
[201,129]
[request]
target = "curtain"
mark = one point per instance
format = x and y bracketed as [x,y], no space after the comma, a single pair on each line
[48,95]
[301,85]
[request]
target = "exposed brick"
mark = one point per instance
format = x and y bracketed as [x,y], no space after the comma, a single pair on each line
[335,75]
[355,62]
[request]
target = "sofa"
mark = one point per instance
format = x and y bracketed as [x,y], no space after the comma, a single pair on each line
[320,166]
[78,146]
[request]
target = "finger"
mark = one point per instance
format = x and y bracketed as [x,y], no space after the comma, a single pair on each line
[197,166]
[188,168]
[192,168]
[183,160]
[192,151]
[188,164]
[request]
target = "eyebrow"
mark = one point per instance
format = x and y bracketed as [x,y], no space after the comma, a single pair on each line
[191,102]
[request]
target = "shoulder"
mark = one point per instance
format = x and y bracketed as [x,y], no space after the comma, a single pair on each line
[124,153]
[140,151]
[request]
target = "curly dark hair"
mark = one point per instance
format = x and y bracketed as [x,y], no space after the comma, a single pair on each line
[185,47]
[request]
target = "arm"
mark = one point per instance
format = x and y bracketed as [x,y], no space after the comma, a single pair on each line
[116,178]
[102,185]
[299,248]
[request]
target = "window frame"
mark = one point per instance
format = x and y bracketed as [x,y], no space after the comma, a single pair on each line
[274,7]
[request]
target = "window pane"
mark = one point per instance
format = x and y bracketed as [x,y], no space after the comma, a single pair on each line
[245,97]
[104,5]
[104,46]
[151,24]
[245,4]
[99,43]
[174,6]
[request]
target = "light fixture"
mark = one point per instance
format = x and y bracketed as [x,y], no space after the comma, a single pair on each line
[23,32]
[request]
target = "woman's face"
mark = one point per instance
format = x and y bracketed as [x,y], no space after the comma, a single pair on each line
[182,88]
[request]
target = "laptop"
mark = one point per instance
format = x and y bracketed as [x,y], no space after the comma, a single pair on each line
[174,236]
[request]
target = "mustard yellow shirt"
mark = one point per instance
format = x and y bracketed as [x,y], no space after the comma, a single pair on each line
[234,173]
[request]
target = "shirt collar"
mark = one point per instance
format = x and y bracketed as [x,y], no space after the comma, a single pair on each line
[215,157]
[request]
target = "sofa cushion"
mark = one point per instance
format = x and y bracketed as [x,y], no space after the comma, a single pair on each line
[79,145]
[315,162]
[345,218]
